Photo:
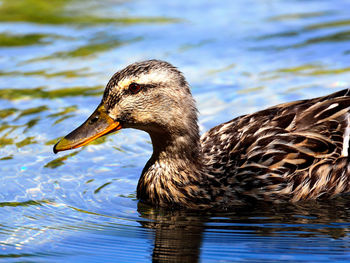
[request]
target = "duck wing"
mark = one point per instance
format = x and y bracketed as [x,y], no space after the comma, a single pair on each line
[292,151]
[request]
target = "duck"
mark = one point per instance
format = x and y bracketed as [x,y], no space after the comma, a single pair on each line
[291,152]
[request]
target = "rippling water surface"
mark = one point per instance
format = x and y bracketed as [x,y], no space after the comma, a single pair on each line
[239,56]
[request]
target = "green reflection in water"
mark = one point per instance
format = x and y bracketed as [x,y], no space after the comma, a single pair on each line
[278,35]
[8,138]
[313,70]
[16,94]
[43,73]
[94,46]
[7,40]
[300,68]
[296,16]
[32,111]
[4,113]
[101,187]
[337,37]
[330,24]
[304,70]
[4,141]
[8,130]
[88,49]
[99,140]
[26,255]
[30,124]
[63,115]
[66,110]
[10,157]
[223,69]
[62,119]
[342,36]
[56,12]
[5,126]
[59,161]
[52,142]
[250,90]
[26,141]
[25,203]
[190,46]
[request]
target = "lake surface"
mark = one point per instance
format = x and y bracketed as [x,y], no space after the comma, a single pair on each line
[239,56]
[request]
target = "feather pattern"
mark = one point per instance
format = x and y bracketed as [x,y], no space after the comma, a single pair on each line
[293,151]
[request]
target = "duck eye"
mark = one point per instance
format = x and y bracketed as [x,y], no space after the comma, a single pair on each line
[134,88]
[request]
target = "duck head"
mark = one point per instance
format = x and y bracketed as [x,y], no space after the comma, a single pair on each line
[151,95]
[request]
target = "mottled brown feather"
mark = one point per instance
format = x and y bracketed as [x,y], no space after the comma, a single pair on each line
[294,155]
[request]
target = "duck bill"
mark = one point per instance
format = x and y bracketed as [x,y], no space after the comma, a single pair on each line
[97,125]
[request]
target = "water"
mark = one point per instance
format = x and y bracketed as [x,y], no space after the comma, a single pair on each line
[239,56]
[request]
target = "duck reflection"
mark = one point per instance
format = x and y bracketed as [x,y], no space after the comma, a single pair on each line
[179,233]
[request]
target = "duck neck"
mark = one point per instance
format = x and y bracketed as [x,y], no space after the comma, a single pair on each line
[174,174]
[173,147]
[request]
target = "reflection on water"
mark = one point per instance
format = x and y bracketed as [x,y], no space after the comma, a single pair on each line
[55,59]
[305,231]
[60,12]
[179,235]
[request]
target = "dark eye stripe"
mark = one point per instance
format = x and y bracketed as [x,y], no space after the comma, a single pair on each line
[142,87]
[111,98]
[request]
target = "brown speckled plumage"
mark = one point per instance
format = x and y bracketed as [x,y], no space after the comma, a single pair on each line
[289,152]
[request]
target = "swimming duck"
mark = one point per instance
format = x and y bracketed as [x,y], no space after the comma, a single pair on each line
[289,152]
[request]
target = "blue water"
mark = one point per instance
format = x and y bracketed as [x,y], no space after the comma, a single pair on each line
[239,56]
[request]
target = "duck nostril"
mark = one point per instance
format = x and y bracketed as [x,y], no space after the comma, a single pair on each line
[94,119]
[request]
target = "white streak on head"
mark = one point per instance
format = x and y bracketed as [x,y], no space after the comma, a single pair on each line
[155,76]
